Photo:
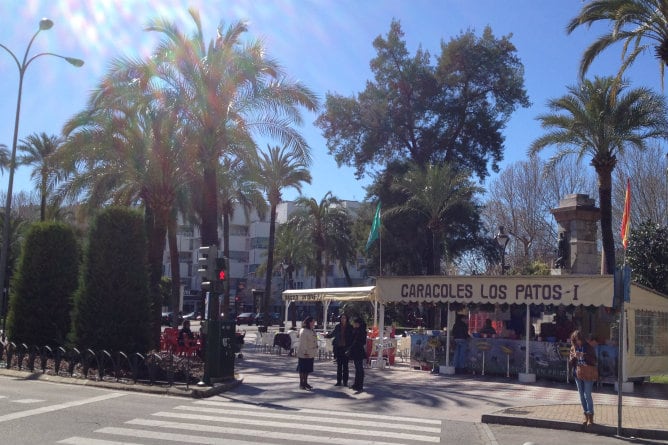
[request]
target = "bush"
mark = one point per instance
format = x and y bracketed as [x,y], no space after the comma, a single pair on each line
[112,305]
[42,288]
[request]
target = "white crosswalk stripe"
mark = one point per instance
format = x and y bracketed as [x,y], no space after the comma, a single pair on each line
[223,422]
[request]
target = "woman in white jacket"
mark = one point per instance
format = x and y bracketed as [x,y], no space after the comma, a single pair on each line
[306,352]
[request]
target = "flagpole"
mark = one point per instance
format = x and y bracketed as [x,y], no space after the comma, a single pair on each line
[625,231]
[380,252]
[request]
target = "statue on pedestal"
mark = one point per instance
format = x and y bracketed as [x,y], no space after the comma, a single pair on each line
[562,252]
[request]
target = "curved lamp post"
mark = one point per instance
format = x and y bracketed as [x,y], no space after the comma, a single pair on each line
[502,238]
[44,25]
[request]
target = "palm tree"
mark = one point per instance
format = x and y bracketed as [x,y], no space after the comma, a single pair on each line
[293,249]
[227,91]
[599,120]
[4,158]
[237,189]
[317,220]
[432,194]
[276,170]
[131,151]
[640,24]
[38,150]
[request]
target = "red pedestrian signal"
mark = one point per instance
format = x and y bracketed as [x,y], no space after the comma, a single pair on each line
[220,269]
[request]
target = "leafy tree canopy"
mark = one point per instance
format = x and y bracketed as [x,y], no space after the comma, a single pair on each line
[453,111]
[647,254]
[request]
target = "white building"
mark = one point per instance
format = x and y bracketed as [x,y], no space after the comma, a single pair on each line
[249,240]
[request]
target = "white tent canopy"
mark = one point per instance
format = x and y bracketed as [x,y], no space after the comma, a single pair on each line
[326,295]
[330,293]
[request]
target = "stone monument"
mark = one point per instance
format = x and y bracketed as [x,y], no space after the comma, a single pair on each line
[577,218]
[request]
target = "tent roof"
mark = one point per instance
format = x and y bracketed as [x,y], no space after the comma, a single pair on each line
[331,293]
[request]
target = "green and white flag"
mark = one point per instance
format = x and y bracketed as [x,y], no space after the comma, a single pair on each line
[375,228]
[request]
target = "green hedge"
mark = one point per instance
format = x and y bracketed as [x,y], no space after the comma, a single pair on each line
[112,304]
[42,288]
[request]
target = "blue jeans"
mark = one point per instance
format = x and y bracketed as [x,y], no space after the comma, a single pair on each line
[460,353]
[585,388]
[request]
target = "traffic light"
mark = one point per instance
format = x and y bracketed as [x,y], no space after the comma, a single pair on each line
[206,262]
[221,269]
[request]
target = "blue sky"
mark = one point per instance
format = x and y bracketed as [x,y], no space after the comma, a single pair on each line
[327,44]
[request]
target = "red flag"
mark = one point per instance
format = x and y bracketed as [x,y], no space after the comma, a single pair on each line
[627,215]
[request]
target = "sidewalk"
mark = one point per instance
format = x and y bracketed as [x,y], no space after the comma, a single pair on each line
[637,421]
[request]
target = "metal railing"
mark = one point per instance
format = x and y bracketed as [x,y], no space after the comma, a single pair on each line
[151,368]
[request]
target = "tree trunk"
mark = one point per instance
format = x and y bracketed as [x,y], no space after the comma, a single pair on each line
[270,260]
[176,268]
[209,211]
[226,254]
[605,203]
[156,232]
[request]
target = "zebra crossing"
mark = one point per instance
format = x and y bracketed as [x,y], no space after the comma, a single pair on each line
[214,422]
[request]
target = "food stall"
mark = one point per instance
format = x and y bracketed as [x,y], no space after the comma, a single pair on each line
[590,297]
[646,335]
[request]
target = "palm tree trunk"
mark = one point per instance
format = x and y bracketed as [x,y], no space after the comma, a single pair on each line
[226,254]
[175,266]
[270,259]
[156,232]
[605,202]
[209,229]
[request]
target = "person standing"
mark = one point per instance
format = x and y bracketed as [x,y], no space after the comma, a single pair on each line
[306,352]
[460,333]
[342,337]
[488,330]
[186,336]
[582,359]
[357,352]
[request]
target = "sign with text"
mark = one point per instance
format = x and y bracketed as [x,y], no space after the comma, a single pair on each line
[587,290]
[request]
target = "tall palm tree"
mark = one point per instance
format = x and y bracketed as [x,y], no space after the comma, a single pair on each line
[227,91]
[237,189]
[599,120]
[131,151]
[640,24]
[293,250]
[278,169]
[318,222]
[38,151]
[341,242]
[433,193]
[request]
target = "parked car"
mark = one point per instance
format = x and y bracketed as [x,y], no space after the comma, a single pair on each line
[167,317]
[246,318]
[191,316]
[262,319]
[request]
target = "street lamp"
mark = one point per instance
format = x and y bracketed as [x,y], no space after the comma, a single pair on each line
[502,238]
[44,25]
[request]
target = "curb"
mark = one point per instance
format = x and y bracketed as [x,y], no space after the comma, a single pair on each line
[571,426]
[174,390]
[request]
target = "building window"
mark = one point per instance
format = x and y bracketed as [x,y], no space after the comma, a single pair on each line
[186,231]
[238,230]
[259,242]
[239,255]
[651,333]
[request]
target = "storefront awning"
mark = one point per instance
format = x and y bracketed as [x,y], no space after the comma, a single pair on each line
[331,294]
[588,290]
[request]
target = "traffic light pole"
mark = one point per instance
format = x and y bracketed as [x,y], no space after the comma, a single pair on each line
[207,266]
